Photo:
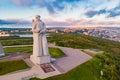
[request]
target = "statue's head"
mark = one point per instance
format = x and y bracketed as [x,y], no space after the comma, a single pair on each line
[37,17]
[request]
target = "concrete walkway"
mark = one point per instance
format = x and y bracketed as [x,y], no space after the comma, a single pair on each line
[14,56]
[74,58]
[62,65]
[35,71]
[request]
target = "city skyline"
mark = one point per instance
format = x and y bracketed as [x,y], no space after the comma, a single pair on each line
[62,12]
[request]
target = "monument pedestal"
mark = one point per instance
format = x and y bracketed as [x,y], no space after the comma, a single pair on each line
[2,54]
[1,51]
[40,59]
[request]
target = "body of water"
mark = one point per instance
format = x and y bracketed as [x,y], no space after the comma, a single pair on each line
[25,35]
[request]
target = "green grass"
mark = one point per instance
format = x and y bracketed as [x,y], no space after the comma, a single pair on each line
[69,40]
[4,56]
[84,42]
[86,71]
[27,49]
[9,41]
[55,52]
[35,78]
[92,52]
[11,66]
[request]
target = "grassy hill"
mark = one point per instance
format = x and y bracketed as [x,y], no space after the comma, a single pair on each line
[84,41]
[9,41]
[108,62]
[69,40]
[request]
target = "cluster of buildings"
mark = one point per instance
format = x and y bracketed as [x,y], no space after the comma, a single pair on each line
[106,33]
[3,33]
[102,32]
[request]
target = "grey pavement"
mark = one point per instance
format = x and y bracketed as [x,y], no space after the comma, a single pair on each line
[35,71]
[62,65]
[74,58]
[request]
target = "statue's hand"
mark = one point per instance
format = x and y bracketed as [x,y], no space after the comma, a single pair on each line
[35,31]
[42,32]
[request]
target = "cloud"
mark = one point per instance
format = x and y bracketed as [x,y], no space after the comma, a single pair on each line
[57,23]
[57,6]
[74,22]
[50,5]
[14,21]
[22,2]
[69,12]
[112,13]
[91,13]
[98,7]
[51,22]
[53,6]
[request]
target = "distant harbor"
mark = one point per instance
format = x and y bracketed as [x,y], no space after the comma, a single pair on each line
[22,35]
[19,35]
[25,35]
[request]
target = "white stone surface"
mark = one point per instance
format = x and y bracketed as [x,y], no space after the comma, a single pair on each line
[40,59]
[1,51]
[40,47]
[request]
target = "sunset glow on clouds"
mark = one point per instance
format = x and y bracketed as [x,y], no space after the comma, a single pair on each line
[62,12]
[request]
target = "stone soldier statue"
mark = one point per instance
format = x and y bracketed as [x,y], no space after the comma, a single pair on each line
[40,46]
[1,51]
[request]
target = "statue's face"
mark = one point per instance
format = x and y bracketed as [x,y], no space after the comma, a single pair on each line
[37,17]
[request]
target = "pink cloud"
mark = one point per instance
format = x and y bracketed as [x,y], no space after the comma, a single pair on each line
[22,2]
[17,2]
[58,23]
[51,22]
[41,1]
[72,21]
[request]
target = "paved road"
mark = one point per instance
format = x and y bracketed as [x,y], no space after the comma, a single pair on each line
[62,65]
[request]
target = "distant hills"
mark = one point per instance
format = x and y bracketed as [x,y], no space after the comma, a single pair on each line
[6,22]
[13,22]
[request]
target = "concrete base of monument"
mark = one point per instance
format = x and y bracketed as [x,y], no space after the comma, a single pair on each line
[53,59]
[2,54]
[40,59]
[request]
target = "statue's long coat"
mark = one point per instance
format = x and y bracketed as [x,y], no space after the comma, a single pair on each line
[40,46]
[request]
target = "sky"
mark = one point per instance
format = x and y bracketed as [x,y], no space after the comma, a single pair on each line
[61,12]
